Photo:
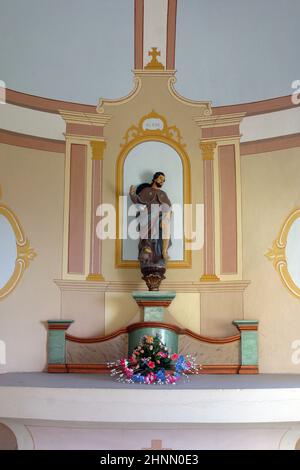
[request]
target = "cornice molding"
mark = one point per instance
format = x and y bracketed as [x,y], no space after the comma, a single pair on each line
[219,121]
[154,73]
[74,117]
[119,286]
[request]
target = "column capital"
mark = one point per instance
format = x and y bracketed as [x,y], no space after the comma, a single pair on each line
[207,148]
[246,325]
[98,147]
[59,324]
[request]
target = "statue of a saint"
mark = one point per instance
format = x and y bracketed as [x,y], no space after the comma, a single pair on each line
[154,225]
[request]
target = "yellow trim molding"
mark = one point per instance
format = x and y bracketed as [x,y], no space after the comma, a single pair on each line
[134,136]
[95,278]
[277,253]
[209,278]
[25,254]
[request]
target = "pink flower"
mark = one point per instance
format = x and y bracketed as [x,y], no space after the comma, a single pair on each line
[189,365]
[128,372]
[151,364]
[174,357]
[162,354]
[171,379]
[150,378]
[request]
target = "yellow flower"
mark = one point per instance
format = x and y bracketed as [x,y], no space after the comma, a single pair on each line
[149,339]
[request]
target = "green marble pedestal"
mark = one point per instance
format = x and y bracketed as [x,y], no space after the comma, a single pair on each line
[249,345]
[153,304]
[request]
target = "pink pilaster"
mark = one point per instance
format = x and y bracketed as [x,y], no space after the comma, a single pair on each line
[228,209]
[208,149]
[96,245]
[77,209]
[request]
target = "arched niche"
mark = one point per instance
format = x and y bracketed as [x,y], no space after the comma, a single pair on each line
[150,147]
[285,253]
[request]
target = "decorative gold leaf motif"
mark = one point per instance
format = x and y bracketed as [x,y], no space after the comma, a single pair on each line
[25,253]
[277,254]
[169,132]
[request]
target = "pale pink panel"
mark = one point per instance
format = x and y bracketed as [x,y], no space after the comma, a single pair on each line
[223,131]
[95,263]
[209,259]
[83,129]
[228,209]
[77,209]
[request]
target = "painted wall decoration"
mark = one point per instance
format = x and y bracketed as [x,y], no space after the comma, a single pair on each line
[15,251]
[285,253]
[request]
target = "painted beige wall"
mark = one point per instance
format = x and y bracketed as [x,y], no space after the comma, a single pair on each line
[270,191]
[32,186]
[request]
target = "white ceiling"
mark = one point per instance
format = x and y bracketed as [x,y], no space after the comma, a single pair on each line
[227,51]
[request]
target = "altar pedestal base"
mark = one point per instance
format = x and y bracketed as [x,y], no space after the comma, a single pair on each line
[153,303]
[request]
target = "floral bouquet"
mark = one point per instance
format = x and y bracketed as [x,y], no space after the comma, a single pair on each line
[152,363]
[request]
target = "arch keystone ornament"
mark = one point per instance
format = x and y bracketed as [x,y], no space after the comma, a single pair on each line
[24,253]
[278,253]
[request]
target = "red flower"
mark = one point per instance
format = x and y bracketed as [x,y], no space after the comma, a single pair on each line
[174,357]
[132,359]
[151,364]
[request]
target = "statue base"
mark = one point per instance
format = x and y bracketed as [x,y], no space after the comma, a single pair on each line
[153,275]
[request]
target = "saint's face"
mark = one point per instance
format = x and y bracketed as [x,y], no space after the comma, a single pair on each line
[160,180]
